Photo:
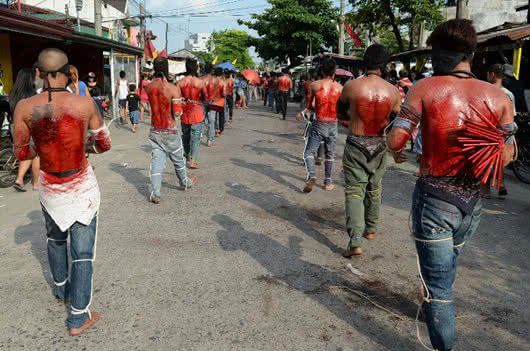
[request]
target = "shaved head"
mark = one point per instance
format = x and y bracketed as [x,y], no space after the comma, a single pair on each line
[51,60]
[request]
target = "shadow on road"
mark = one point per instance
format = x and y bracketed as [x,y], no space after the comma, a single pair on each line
[34,233]
[138,178]
[278,206]
[286,156]
[328,288]
[269,171]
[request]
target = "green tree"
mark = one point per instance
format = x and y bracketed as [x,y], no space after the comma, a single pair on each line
[233,44]
[205,56]
[402,17]
[288,28]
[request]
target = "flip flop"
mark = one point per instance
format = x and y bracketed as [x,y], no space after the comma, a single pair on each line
[19,188]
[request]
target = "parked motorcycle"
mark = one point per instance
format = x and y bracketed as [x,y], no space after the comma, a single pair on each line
[521,166]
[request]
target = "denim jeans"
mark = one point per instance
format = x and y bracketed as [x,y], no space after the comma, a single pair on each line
[441,231]
[191,138]
[229,106]
[362,192]
[220,120]
[318,132]
[76,287]
[167,144]
[283,96]
[209,121]
[272,99]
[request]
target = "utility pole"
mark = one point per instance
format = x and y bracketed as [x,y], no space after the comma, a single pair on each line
[78,7]
[167,30]
[341,27]
[142,23]
[461,8]
[528,13]
[97,18]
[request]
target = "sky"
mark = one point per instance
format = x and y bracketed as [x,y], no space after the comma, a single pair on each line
[202,16]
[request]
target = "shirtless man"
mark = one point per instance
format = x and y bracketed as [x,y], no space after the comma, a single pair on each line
[366,104]
[166,109]
[191,88]
[446,203]
[284,85]
[322,99]
[213,90]
[229,94]
[60,124]
[219,102]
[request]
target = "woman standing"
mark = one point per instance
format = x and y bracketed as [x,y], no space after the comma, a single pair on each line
[76,86]
[24,88]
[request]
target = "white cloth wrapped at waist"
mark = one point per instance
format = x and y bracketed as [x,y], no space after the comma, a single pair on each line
[76,200]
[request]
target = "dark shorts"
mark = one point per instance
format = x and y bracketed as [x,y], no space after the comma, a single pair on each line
[122,103]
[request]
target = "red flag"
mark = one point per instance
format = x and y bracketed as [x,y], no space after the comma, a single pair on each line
[163,53]
[356,40]
[150,52]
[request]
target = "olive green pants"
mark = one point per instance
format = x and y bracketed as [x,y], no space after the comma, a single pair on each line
[362,192]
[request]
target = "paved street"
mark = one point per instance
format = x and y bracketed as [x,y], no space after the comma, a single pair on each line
[246,261]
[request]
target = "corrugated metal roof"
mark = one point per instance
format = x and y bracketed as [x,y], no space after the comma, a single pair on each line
[120,5]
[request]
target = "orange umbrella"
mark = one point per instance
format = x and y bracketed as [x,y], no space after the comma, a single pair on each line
[251,75]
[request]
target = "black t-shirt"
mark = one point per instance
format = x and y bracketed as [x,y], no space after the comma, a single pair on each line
[134,101]
[94,90]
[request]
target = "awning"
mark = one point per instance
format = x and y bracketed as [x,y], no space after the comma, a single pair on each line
[12,21]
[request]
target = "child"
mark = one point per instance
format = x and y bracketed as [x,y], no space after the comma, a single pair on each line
[133,106]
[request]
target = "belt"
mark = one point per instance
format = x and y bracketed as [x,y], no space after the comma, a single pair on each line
[65,174]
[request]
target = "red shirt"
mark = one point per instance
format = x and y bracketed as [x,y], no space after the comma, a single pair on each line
[284,83]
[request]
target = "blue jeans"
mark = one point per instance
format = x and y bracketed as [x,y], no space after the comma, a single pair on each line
[272,99]
[441,231]
[167,144]
[318,132]
[77,288]
[191,138]
[209,121]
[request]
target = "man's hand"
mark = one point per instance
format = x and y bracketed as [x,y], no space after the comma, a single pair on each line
[299,116]
[400,156]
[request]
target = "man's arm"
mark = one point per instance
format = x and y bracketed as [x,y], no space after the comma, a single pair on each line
[508,125]
[310,98]
[98,134]
[176,101]
[408,119]
[22,148]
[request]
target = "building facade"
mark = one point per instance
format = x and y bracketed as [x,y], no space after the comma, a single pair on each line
[489,13]
[199,42]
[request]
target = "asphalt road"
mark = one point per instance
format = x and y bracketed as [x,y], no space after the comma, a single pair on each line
[246,261]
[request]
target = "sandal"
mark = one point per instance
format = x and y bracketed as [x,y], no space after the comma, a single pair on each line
[19,188]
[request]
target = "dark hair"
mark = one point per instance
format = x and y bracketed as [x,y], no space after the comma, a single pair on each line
[191,67]
[159,75]
[218,72]
[208,67]
[23,88]
[403,73]
[161,65]
[122,74]
[285,70]
[376,56]
[328,66]
[454,35]
[132,87]
[497,69]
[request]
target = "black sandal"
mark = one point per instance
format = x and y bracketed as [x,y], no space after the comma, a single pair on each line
[19,188]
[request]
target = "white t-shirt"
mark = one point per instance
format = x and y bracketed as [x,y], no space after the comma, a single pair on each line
[123,89]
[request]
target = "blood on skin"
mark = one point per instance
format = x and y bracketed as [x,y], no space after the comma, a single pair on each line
[326,98]
[373,113]
[446,102]
[60,143]
[161,113]
[192,112]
